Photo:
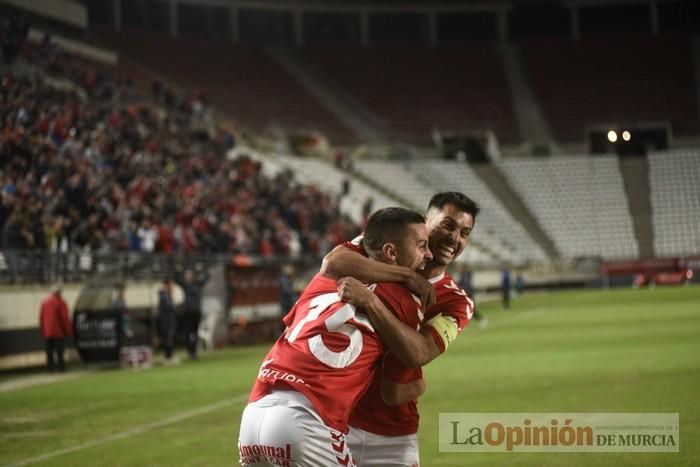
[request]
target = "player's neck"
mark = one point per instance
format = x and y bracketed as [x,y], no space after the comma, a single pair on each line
[431,271]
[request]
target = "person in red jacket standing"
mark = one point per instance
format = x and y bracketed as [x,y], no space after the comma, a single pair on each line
[55,327]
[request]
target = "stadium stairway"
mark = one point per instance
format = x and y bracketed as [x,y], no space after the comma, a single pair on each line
[348,110]
[635,177]
[532,124]
[494,179]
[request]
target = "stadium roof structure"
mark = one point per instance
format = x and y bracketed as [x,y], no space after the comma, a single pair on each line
[395,5]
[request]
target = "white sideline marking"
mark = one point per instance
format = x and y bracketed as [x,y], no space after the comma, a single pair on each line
[134,431]
[28,434]
[29,381]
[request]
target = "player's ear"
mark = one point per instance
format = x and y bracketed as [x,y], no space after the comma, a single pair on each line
[390,252]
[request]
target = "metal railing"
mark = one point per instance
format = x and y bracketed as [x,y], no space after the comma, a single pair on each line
[41,267]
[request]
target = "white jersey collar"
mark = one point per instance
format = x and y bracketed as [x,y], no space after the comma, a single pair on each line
[436,279]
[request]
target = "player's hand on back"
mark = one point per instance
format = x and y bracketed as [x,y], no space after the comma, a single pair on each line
[354,292]
[421,287]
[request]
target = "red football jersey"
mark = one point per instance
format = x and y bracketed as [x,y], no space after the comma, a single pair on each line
[356,244]
[329,352]
[371,413]
[450,299]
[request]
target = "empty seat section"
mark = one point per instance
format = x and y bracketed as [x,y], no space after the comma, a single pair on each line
[613,79]
[674,177]
[580,202]
[241,80]
[415,89]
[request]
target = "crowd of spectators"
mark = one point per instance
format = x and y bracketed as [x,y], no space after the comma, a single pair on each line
[100,165]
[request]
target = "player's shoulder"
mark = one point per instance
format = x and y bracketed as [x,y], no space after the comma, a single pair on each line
[400,300]
[395,291]
[447,291]
[356,244]
[319,284]
[448,287]
[394,288]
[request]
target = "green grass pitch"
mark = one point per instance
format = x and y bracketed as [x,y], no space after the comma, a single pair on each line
[591,351]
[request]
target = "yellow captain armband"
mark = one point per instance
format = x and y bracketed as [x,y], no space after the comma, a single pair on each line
[446,327]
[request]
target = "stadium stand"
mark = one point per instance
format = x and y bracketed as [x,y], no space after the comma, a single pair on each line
[579,201]
[612,79]
[675,200]
[240,79]
[416,89]
[327,177]
[128,161]
[360,189]
[89,164]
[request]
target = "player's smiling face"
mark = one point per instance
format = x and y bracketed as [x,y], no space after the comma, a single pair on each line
[414,252]
[450,232]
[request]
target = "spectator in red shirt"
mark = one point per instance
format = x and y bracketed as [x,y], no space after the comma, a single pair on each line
[55,326]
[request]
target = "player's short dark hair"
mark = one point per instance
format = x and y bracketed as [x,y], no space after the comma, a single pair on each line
[461,201]
[388,225]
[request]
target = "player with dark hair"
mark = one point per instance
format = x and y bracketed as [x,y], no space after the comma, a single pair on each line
[312,378]
[384,424]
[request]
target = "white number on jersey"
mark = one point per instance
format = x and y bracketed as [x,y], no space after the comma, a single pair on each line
[336,322]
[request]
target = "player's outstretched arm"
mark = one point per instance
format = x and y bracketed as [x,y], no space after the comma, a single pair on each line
[414,349]
[342,261]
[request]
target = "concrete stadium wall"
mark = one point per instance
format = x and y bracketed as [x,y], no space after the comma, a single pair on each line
[20,341]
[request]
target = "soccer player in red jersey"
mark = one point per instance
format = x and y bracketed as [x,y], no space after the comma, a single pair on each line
[312,378]
[384,424]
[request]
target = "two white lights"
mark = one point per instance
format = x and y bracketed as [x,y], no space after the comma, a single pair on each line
[612,136]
